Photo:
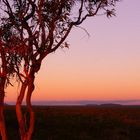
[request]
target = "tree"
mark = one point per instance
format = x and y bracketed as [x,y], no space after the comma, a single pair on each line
[42,27]
[9,64]
[3,68]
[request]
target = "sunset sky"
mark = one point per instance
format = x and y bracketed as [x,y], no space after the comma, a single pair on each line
[104,66]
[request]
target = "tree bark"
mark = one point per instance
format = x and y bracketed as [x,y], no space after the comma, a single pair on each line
[26,133]
[29,107]
[2,120]
[27,126]
[20,117]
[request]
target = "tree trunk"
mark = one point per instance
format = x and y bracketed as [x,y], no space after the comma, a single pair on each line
[20,118]
[27,127]
[29,107]
[2,120]
[26,133]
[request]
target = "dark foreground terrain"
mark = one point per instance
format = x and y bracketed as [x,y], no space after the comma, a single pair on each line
[80,123]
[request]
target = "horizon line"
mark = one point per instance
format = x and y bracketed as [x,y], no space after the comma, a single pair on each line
[81,102]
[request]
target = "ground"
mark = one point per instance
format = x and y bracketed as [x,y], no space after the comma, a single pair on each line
[80,123]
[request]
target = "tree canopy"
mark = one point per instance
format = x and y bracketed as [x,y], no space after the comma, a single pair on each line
[43,25]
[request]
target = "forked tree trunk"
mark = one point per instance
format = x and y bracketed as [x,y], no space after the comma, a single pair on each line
[26,133]
[26,129]
[2,120]
[20,117]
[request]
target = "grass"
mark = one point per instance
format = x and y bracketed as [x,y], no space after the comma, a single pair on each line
[80,123]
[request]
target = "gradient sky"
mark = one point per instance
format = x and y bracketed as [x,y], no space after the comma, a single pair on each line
[104,66]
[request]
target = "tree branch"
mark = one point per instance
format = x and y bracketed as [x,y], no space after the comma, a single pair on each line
[80,21]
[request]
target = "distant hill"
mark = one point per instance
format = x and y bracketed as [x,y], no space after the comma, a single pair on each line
[92,105]
[105,105]
[111,105]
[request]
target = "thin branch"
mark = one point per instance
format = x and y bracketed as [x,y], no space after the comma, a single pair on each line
[62,39]
[84,30]
[88,15]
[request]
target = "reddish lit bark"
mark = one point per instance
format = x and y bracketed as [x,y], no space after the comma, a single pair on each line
[26,133]
[3,71]
[20,117]
[2,120]
[29,107]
